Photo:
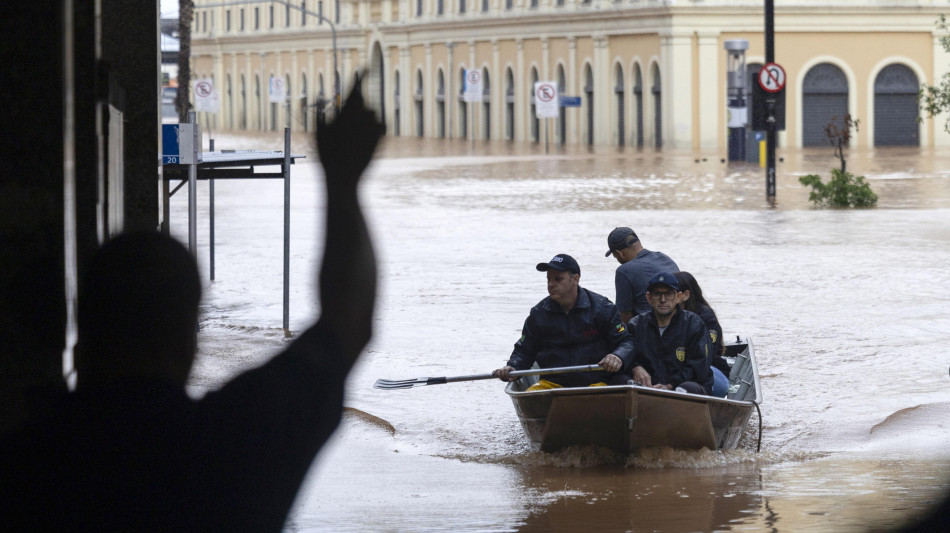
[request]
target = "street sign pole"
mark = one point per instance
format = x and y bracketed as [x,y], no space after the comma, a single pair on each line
[770,132]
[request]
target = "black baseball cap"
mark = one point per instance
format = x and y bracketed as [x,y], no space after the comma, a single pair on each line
[619,239]
[664,278]
[562,262]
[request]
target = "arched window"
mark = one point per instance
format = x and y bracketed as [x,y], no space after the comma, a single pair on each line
[440,105]
[486,104]
[895,107]
[589,101]
[638,103]
[562,111]
[420,131]
[509,105]
[657,91]
[535,122]
[824,100]
[619,94]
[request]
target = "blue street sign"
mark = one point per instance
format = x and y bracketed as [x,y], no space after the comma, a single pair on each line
[570,101]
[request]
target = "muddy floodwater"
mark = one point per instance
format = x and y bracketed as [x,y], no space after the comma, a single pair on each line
[848,311]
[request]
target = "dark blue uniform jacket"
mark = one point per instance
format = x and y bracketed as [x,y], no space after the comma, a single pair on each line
[716,348]
[681,354]
[591,330]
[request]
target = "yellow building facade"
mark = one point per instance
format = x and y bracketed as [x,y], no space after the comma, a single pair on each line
[649,73]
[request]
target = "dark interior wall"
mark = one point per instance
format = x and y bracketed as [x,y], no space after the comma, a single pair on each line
[130,46]
[55,90]
[32,307]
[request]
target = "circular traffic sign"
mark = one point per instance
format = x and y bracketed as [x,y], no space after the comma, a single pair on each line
[474,76]
[203,89]
[546,92]
[772,78]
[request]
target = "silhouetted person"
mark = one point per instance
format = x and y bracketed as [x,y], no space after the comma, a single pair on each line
[129,450]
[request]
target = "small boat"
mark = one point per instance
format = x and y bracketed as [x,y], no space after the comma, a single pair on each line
[626,418]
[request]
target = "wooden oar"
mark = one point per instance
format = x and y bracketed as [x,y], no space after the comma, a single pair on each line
[419,382]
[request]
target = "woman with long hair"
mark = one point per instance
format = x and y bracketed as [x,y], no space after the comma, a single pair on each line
[692,300]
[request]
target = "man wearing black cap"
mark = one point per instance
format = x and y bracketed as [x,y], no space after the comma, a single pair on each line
[671,344]
[637,266]
[572,326]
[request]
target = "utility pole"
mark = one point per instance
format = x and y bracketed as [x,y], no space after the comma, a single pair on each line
[770,102]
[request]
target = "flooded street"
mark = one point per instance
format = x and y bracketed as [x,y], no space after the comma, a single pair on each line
[848,310]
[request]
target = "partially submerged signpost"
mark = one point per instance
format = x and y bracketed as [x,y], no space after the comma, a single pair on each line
[183,160]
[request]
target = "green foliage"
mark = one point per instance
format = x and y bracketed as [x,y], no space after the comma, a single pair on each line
[935,99]
[843,190]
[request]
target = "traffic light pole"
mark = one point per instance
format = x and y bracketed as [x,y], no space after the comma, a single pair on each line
[770,132]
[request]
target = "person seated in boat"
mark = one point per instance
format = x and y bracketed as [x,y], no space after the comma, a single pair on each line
[571,326]
[691,299]
[637,266]
[671,344]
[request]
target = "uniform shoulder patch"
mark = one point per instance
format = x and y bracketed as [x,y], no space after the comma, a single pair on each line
[681,354]
[620,328]
[712,335]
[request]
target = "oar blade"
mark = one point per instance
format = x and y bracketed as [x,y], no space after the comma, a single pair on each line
[396,383]
[390,384]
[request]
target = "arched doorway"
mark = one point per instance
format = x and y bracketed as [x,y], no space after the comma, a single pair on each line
[440,105]
[397,129]
[304,110]
[824,100]
[657,91]
[242,119]
[561,110]
[589,102]
[895,107]
[257,103]
[620,94]
[229,110]
[462,106]
[638,103]
[420,131]
[486,104]
[377,83]
[509,105]
[535,122]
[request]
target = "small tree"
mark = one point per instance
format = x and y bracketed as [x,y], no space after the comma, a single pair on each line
[844,189]
[935,99]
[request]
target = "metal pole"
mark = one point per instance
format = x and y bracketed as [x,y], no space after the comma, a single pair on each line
[770,101]
[193,194]
[211,215]
[286,170]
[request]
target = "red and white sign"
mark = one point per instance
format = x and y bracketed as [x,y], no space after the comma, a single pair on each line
[772,78]
[545,99]
[206,98]
[473,86]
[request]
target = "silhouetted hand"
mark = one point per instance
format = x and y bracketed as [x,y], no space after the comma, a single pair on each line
[346,144]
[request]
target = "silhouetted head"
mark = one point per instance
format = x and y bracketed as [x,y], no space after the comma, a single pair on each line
[138,310]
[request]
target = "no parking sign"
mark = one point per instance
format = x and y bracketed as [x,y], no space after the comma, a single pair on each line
[206,98]
[545,99]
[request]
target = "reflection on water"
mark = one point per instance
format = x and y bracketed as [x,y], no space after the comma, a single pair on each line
[847,310]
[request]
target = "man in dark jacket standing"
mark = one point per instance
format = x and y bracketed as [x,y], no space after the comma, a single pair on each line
[672,344]
[572,326]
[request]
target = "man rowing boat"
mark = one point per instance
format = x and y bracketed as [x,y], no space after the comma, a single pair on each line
[571,326]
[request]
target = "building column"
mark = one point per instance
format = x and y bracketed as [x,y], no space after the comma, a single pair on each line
[405,92]
[941,68]
[708,88]
[428,94]
[676,74]
[449,91]
[522,102]
[497,93]
[603,90]
[571,85]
